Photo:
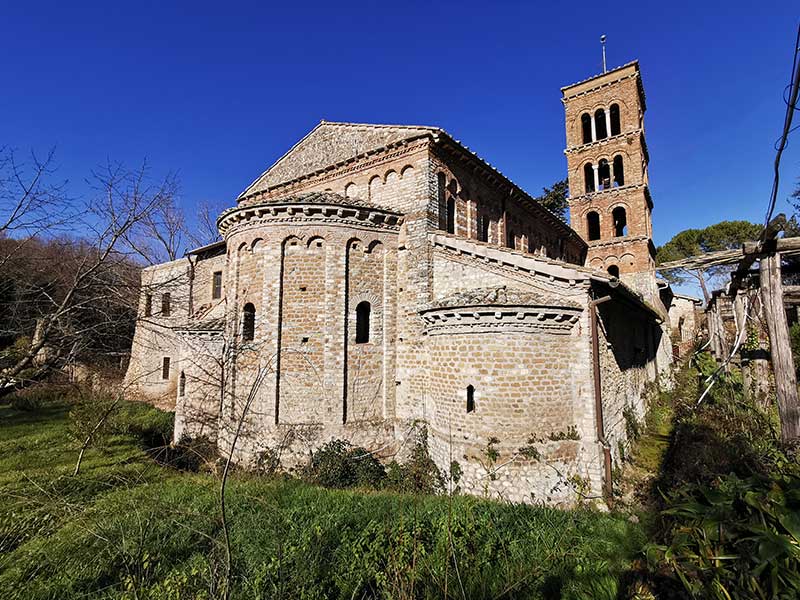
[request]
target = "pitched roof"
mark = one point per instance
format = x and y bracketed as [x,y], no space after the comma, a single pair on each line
[330,143]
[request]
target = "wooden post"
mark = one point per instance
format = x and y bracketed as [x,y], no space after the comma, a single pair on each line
[780,348]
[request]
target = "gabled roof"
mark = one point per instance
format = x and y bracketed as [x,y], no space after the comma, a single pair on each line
[333,144]
[330,143]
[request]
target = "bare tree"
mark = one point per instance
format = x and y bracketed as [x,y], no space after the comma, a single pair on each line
[82,289]
[31,205]
[206,231]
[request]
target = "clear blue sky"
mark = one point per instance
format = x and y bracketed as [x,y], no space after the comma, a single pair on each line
[218,91]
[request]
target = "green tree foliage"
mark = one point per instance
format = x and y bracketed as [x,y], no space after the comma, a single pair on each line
[555,200]
[725,235]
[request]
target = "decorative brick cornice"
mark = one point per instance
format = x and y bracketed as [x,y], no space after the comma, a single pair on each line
[505,319]
[610,193]
[604,141]
[294,210]
[623,240]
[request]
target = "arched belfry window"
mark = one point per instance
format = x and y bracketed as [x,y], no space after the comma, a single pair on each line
[451,215]
[248,322]
[363,311]
[586,127]
[600,124]
[615,124]
[620,219]
[604,174]
[588,177]
[619,172]
[470,399]
[593,225]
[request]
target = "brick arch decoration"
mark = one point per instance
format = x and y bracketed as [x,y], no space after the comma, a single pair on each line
[351,190]
[315,242]
[627,259]
[390,173]
[256,243]
[406,170]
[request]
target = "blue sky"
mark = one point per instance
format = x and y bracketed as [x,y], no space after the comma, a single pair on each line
[217,91]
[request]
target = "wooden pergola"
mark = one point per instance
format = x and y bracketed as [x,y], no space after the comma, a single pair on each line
[768,252]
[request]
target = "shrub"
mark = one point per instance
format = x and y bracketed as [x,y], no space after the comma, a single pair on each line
[191,454]
[737,539]
[38,396]
[419,474]
[338,464]
[151,425]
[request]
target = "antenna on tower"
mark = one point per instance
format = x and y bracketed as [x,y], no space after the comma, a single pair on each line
[603,44]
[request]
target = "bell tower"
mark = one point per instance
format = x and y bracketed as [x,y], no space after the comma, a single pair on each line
[610,204]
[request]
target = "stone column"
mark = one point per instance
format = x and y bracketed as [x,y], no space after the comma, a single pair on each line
[594,129]
[608,122]
[611,173]
[596,177]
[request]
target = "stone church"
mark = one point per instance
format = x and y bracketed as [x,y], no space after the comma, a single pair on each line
[380,279]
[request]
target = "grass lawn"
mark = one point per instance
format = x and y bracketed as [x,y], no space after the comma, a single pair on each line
[127,527]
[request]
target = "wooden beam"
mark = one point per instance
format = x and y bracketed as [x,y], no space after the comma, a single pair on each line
[780,348]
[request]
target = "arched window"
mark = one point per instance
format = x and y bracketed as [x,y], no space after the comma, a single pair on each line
[619,172]
[451,215]
[363,311]
[604,174]
[470,399]
[166,304]
[441,192]
[593,225]
[614,113]
[600,124]
[586,127]
[588,176]
[613,270]
[483,228]
[248,322]
[620,220]
[182,384]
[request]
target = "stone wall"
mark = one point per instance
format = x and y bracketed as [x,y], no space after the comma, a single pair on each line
[154,339]
[305,269]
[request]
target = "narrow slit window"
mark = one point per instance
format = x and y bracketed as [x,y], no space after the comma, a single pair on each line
[363,311]
[216,286]
[165,367]
[470,399]
[182,385]
[148,305]
[248,322]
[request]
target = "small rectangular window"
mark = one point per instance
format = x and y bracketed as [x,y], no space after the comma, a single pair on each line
[216,286]
[166,304]
[165,367]
[148,305]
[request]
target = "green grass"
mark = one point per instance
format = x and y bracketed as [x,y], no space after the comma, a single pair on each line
[127,527]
